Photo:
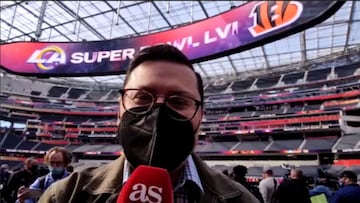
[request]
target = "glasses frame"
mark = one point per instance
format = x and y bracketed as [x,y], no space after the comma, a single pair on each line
[154,97]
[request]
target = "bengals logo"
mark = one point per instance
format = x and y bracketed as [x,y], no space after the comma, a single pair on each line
[272,15]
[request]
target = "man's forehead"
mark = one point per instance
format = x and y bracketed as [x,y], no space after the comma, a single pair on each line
[31,161]
[164,66]
[55,154]
[171,91]
[175,77]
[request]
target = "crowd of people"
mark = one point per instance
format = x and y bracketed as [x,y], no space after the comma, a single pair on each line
[26,185]
[19,186]
[295,188]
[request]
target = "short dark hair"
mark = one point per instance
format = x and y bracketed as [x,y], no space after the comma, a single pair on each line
[70,168]
[240,170]
[30,160]
[269,172]
[163,52]
[349,174]
[298,172]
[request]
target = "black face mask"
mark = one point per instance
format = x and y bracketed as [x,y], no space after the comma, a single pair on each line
[34,168]
[155,138]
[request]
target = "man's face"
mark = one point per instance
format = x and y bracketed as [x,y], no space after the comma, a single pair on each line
[56,159]
[293,174]
[345,180]
[5,168]
[30,163]
[165,79]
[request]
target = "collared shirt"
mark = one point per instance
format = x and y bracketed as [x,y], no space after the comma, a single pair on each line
[49,179]
[188,188]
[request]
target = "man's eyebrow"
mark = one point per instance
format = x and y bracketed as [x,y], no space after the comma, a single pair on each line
[179,92]
[170,93]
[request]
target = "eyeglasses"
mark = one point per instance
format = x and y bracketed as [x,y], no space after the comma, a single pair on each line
[132,99]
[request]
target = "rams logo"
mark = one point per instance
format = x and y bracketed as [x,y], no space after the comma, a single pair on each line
[48,58]
[271,15]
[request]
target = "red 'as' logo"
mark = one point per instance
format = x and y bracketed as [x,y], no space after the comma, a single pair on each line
[271,15]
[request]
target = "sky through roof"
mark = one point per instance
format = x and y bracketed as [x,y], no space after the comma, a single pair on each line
[71,21]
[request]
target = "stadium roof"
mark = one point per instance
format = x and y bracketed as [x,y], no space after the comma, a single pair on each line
[100,20]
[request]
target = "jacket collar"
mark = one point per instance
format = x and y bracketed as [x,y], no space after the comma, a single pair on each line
[190,173]
[221,186]
[107,178]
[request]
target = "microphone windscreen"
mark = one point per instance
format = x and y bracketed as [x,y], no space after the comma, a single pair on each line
[147,184]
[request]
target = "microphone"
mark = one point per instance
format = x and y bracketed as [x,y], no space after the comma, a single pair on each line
[147,184]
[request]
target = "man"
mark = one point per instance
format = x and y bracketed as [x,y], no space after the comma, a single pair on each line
[23,177]
[350,192]
[161,108]
[321,187]
[4,174]
[268,186]
[70,168]
[294,190]
[57,159]
[4,178]
[239,173]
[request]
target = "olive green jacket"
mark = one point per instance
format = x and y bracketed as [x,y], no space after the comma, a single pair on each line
[102,185]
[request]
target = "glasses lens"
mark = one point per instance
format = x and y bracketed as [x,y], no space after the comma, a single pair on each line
[140,102]
[137,101]
[184,106]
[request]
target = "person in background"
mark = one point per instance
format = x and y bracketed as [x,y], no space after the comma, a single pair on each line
[349,191]
[4,174]
[239,173]
[57,159]
[268,185]
[70,168]
[4,178]
[161,108]
[23,177]
[322,188]
[293,190]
